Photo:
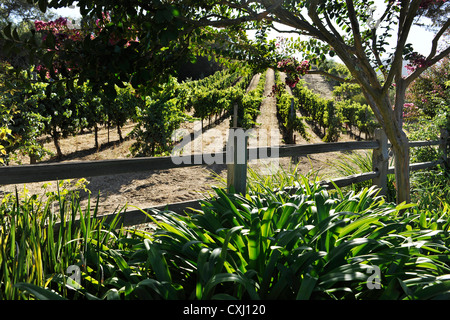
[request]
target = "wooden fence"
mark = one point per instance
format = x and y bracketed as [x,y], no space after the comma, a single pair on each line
[236,175]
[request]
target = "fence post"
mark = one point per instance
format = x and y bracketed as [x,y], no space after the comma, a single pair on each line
[380,161]
[443,146]
[292,116]
[237,157]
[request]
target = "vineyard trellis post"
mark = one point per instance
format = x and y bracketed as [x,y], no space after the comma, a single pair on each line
[444,145]
[237,157]
[380,161]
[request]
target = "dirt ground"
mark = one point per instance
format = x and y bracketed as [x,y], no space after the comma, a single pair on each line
[159,187]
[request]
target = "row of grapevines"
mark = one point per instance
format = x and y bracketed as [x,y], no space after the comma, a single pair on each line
[249,105]
[321,111]
[37,111]
[217,95]
[165,111]
[158,118]
[218,80]
[358,116]
[330,115]
[286,112]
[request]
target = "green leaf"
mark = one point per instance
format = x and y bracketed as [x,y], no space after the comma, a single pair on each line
[42,5]
[307,287]
[7,31]
[158,262]
[254,244]
[48,59]
[230,277]
[38,292]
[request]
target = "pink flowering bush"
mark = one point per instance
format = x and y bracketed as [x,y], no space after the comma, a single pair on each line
[66,40]
[411,112]
[293,70]
[429,92]
[416,61]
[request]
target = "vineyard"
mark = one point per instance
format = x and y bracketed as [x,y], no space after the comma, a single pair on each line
[204,111]
[225,150]
[148,128]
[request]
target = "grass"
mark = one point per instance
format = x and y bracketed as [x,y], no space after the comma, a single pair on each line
[305,243]
[359,162]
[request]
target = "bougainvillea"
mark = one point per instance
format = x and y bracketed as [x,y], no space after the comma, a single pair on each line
[416,60]
[293,70]
[63,39]
[57,34]
[425,4]
[429,92]
[411,112]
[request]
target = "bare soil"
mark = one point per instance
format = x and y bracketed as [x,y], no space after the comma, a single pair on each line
[159,187]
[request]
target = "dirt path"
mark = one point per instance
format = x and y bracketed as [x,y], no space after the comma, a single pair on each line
[159,187]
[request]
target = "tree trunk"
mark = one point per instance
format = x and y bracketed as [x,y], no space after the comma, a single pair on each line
[33,158]
[391,122]
[402,183]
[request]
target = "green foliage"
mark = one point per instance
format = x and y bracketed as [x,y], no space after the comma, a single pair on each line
[359,162]
[39,239]
[158,117]
[320,111]
[430,189]
[217,95]
[38,109]
[300,243]
[429,92]
[286,112]
[334,68]
[424,129]
[358,116]
[349,91]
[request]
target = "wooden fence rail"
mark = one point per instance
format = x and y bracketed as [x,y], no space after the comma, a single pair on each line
[236,178]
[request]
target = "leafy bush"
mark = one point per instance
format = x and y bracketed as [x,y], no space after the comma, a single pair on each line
[430,189]
[286,112]
[299,243]
[426,129]
[358,116]
[158,118]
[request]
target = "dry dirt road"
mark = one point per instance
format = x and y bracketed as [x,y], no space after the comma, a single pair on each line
[160,187]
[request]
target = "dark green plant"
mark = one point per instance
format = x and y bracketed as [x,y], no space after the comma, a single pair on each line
[301,243]
[41,238]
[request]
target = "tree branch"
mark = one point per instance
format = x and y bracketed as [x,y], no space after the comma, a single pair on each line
[230,22]
[333,29]
[405,22]
[332,76]
[428,64]
[436,39]
[355,25]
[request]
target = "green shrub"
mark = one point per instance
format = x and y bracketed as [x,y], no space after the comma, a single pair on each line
[300,243]
[39,240]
